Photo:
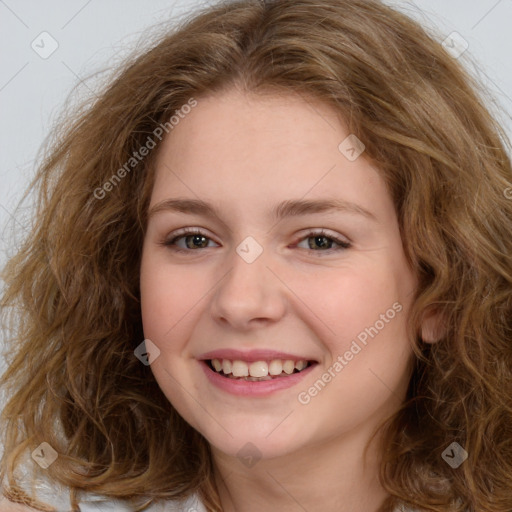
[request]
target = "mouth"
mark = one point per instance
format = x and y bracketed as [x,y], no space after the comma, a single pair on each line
[258,371]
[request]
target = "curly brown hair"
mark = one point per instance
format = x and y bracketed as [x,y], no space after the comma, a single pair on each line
[72,291]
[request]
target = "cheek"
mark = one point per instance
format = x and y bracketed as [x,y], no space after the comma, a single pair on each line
[346,301]
[363,317]
[169,296]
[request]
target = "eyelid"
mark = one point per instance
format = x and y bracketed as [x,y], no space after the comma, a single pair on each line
[182,232]
[189,230]
[324,232]
[342,241]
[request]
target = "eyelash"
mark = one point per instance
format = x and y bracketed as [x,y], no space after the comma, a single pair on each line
[343,244]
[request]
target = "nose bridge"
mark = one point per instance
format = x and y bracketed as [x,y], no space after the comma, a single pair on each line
[249,290]
[248,265]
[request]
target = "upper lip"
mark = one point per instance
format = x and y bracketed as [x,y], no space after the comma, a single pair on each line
[252,355]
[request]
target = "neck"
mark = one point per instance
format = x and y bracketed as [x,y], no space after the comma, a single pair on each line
[331,476]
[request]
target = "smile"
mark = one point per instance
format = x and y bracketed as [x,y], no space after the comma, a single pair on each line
[255,371]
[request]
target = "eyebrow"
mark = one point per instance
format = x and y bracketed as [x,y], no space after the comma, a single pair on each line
[290,208]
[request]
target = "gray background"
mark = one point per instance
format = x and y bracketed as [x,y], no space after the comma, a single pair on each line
[93,35]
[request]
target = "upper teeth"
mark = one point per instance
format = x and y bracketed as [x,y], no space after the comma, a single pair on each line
[258,368]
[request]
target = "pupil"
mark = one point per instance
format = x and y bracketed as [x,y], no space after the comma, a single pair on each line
[197,240]
[318,240]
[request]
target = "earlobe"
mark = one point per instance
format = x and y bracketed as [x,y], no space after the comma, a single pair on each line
[432,326]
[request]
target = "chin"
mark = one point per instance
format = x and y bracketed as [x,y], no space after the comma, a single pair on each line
[254,442]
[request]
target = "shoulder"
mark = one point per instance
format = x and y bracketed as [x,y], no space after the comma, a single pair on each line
[92,504]
[57,498]
[9,506]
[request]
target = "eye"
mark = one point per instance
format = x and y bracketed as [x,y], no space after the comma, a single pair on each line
[319,241]
[190,239]
[322,242]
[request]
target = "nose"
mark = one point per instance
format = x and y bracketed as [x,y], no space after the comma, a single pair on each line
[249,295]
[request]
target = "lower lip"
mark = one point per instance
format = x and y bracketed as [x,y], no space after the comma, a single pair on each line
[254,388]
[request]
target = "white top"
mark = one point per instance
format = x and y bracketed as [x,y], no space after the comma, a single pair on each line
[57,496]
[192,504]
[96,503]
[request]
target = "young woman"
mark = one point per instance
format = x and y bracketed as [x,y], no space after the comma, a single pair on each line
[271,268]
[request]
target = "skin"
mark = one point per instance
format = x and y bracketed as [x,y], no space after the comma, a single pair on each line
[245,153]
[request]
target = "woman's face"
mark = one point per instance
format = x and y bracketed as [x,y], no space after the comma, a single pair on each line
[298,259]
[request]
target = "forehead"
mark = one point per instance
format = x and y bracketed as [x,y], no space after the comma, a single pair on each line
[263,149]
[240,128]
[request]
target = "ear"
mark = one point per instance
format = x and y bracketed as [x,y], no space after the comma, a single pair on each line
[433,327]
